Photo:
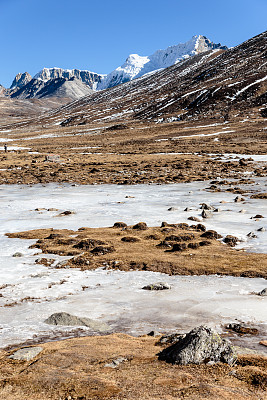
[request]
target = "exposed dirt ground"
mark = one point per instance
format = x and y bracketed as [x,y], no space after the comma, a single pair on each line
[75,369]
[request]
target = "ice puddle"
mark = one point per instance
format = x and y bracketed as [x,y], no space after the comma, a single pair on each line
[30,292]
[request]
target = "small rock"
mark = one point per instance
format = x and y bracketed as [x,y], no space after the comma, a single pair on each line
[205,206]
[263,292]
[257,216]
[17,254]
[263,343]
[115,363]
[67,212]
[172,209]
[261,229]
[252,235]
[238,199]
[243,211]
[194,219]
[206,214]
[157,286]
[26,354]
[65,319]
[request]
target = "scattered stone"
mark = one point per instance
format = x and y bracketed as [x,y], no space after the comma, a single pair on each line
[206,214]
[231,240]
[243,211]
[252,235]
[67,212]
[17,254]
[52,209]
[242,329]
[141,226]
[120,225]
[263,292]
[157,286]
[257,216]
[26,354]
[116,363]
[130,239]
[153,334]
[261,229]
[194,219]
[40,209]
[211,235]
[238,199]
[263,343]
[205,206]
[172,209]
[65,319]
[201,345]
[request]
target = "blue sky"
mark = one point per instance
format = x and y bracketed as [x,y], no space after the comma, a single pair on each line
[99,35]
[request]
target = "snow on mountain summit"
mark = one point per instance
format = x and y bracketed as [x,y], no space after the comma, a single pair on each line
[136,66]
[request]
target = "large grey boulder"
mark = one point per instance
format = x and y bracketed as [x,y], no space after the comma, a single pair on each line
[65,319]
[26,354]
[201,345]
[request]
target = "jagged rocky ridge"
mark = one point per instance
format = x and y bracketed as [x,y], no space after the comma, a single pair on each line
[214,84]
[60,87]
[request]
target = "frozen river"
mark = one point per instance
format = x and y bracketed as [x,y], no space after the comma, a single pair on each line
[30,292]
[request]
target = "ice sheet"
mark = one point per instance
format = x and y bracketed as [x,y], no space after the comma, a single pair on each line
[33,292]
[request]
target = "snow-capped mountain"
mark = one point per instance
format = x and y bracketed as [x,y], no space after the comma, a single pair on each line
[91,79]
[136,66]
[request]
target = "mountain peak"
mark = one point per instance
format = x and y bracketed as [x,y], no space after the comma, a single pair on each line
[136,66]
[21,80]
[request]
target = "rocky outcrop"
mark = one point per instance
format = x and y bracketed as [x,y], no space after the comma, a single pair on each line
[201,345]
[21,80]
[65,319]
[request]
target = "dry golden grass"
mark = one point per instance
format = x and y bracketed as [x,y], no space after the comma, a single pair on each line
[76,368]
[214,258]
